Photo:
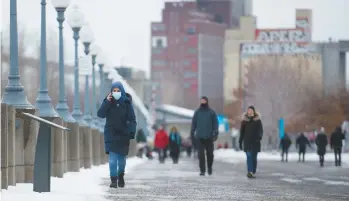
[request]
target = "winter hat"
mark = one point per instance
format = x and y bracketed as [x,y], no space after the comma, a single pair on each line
[205,98]
[252,107]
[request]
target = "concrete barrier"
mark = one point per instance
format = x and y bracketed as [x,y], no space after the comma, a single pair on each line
[30,139]
[4,147]
[133,148]
[57,167]
[65,150]
[81,145]
[87,147]
[11,145]
[103,155]
[96,156]
[73,147]
[19,151]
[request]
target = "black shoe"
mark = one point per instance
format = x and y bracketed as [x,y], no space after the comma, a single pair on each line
[202,173]
[114,182]
[121,181]
[209,171]
[250,175]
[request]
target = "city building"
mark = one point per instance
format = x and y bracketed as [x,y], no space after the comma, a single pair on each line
[187,56]
[249,41]
[228,11]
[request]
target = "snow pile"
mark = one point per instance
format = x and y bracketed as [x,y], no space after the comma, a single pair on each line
[80,186]
[179,110]
[232,156]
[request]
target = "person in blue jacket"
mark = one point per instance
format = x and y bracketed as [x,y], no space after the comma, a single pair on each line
[119,128]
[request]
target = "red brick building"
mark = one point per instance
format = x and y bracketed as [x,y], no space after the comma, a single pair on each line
[187,56]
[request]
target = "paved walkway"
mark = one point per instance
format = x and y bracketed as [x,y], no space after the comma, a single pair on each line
[164,182]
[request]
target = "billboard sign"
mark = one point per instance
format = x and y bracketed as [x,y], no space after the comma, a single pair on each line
[250,49]
[297,35]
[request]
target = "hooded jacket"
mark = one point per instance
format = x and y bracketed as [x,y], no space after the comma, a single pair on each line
[251,133]
[120,124]
[204,123]
[337,138]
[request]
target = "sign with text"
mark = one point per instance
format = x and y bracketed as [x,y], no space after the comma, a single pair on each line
[297,35]
[249,49]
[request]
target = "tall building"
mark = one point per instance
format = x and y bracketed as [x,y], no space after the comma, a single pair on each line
[227,11]
[187,56]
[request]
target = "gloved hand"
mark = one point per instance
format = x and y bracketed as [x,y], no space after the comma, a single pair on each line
[107,152]
[214,138]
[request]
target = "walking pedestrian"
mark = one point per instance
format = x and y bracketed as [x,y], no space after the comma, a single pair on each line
[119,128]
[337,138]
[175,144]
[161,142]
[301,145]
[251,133]
[285,144]
[204,128]
[321,143]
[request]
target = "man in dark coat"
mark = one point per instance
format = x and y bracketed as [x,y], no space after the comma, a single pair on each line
[321,143]
[337,138]
[251,133]
[301,144]
[119,128]
[285,144]
[204,128]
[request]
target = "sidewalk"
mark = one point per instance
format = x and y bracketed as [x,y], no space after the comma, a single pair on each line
[82,186]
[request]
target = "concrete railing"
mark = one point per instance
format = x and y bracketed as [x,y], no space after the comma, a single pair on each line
[81,147]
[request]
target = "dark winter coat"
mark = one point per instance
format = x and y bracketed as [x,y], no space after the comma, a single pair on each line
[204,124]
[140,137]
[321,143]
[120,124]
[285,142]
[302,142]
[337,138]
[251,133]
[175,142]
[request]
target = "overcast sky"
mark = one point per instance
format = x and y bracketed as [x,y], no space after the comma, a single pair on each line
[122,27]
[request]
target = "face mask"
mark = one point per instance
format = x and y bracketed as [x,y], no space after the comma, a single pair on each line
[117,95]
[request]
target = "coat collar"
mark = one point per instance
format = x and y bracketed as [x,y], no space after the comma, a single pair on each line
[255,118]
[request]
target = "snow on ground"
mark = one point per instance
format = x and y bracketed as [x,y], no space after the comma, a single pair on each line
[232,156]
[81,186]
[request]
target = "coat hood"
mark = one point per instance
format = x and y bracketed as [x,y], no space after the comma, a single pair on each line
[256,117]
[119,86]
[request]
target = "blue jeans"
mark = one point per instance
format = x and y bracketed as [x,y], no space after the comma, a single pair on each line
[117,164]
[251,161]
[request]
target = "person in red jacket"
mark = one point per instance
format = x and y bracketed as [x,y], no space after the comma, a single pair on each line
[161,142]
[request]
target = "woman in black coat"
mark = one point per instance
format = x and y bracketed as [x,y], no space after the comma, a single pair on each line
[251,133]
[119,128]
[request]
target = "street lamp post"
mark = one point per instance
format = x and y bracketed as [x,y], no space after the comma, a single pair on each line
[87,39]
[62,106]
[94,53]
[43,101]
[100,61]
[14,91]
[76,21]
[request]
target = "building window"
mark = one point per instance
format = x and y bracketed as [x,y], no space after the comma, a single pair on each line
[192,50]
[191,30]
[185,63]
[157,50]
[158,27]
[190,74]
[186,85]
[159,63]
[185,38]
[218,18]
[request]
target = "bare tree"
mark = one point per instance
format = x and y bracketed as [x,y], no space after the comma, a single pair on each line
[278,86]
